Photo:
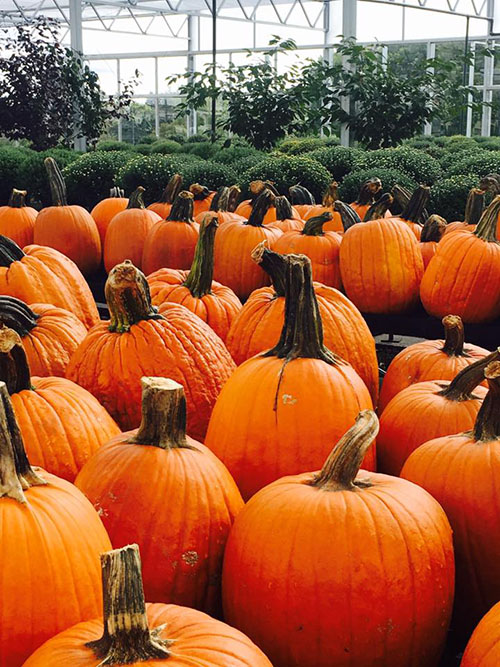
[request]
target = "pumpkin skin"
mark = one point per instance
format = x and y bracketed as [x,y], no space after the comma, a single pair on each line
[44,275]
[362,573]
[183,563]
[430,360]
[483,649]
[105,210]
[185,349]
[17,221]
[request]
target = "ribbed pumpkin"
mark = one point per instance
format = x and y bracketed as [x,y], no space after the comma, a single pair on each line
[134,482]
[105,210]
[49,551]
[233,265]
[17,221]
[366,196]
[222,205]
[462,472]
[321,247]
[127,232]
[483,649]
[285,219]
[135,633]
[432,232]
[257,327]
[171,243]
[44,275]
[164,204]
[214,303]
[381,266]
[276,402]
[202,198]
[473,212]
[428,410]
[464,274]
[69,229]
[49,335]
[342,568]
[327,206]
[137,341]
[61,423]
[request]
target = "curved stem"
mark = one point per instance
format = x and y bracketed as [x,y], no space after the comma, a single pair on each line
[283,208]
[198,191]
[14,367]
[199,279]
[378,209]
[343,464]
[234,198]
[348,215]
[433,229]
[16,315]
[301,195]
[56,182]
[414,209]
[486,228]
[128,297]
[171,190]
[273,264]
[464,383]
[214,205]
[182,208]
[17,198]
[127,637]
[368,190]
[475,206]
[9,251]
[314,226]
[135,200]
[487,426]
[260,207]
[331,195]
[454,336]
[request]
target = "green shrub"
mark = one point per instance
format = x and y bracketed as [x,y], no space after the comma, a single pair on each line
[203,149]
[488,143]
[349,188]
[36,175]
[143,149]
[339,160]
[235,154]
[421,167]
[449,196]
[174,136]
[300,145]
[211,174]
[480,163]
[197,138]
[290,170]
[12,163]
[241,166]
[112,145]
[166,146]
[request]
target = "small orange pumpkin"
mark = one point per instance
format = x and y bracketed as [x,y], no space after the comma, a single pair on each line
[366,196]
[483,648]
[328,206]
[17,221]
[164,204]
[202,198]
[105,210]
[473,212]
[285,219]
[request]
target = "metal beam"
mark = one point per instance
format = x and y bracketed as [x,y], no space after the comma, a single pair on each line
[349,29]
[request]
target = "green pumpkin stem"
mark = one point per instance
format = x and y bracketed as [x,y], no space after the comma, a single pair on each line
[273,264]
[348,215]
[14,366]
[475,206]
[283,208]
[454,336]
[414,209]
[314,226]
[56,182]
[260,207]
[17,198]
[487,426]
[199,279]
[171,190]
[16,315]
[486,228]
[464,383]
[342,466]
[128,298]
[136,198]
[379,208]
[301,196]
[331,195]
[127,637]
[182,208]
[368,190]
[433,229]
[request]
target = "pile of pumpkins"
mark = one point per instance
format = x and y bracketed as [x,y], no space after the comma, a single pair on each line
[192,482]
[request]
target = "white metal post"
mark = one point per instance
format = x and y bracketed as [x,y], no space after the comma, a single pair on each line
[193,46]
[157,104]
[349,8]
[118,88]
[487,94]
[431,53]
[76,37]
[468,125]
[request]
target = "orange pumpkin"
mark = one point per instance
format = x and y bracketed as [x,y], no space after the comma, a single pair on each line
[285,219]
[275,402]
[222,205]
[164,204]
[360,565]
[17,221]
[461,472]
[105,210]
[114,356]
[171,243]
[256,188]
[328,206]
[182,564]
[202,198]
[366,196]
[464,274]
[414,211]
[430,360]
[137,634]
[49,335]
[69,229]
[432,232]
[214,303]
[44,275]
[301,199]
[483,649]
[51,540]
[473,212]
[127,232]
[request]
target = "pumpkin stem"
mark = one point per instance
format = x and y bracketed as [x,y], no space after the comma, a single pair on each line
[220,199]
[368,190]
[135,200]
[128,297]
[487,426]
[475,206]
[56,182]
[233,198]
[490,183]
[331,195]
[116,192]
[199,279]
[414,209]
[198,191]
[14,366]
[16,315]
[260,207]
[182,208]
[283,208]
[486,228]
[464,383]
[302,333]
[348,215]
[341,467]
[163,422]
[454,336]
[378,209]
[273,264]
[301,195]
[17,198]
[127,637]
[171,190]
[9,251]
[314,226]
[433,229]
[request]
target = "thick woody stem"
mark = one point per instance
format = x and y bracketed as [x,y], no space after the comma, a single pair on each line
[454,336]
[486,228]
[487,425]
[378,209]
[348,215]
[17,198]
[135,200]
[56,182]
[182,208]
[464,383]
[273,264]
[14,367]
[171,190]
[16,315]
[199,279]
[475,206]
[9,251]
[433,229]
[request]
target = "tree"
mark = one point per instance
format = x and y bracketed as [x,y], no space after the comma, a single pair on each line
[48,95]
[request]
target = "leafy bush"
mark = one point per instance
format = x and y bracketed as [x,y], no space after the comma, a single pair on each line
[489,143]
[12,161]
[143,149]
[349,187]
[173,136]
[36,174]
[112,145]
[286,171]
[152,172]
[166,146]
[203,149]
[480,163]
[235,154]
[197,138]
[339,160]
[421,167]
[211,174]
[300,145]
[449,196]
[241,166]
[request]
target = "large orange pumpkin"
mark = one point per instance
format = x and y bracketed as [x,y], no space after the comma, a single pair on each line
[257,327]
[342,568]
[17,221]
[164,204]
[105,210]
[473,212]
[137,634]
[69,229]
[432,232]
[138,341]
[171,243]
[462,472]
[49,335]
[483,649]
[277,401]
[49,551]
[464,274]
[127,232]
[366,196]
[215,304]
[133,482]
[44,275]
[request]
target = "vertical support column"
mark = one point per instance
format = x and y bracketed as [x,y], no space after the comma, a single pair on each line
[328,33]
[487,94]
[472,69]
[193,45]
[157,101]
[213,124]
[76,37]
[118,88]
[431,53]
[349,21]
